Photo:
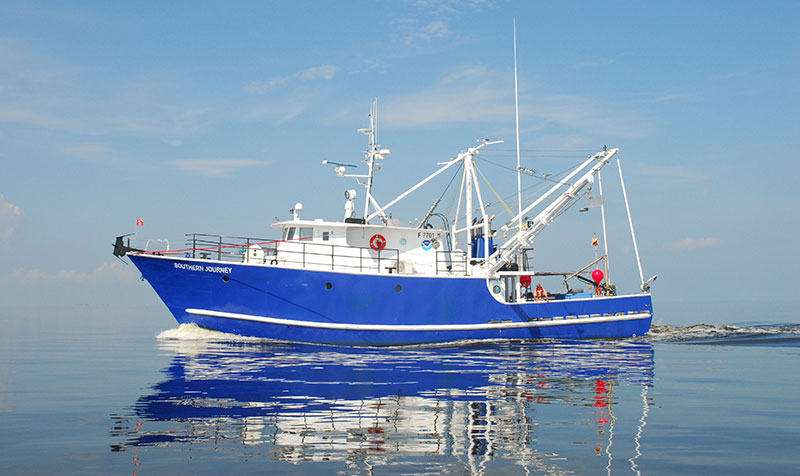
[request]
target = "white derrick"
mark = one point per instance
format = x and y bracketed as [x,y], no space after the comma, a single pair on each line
[524,237]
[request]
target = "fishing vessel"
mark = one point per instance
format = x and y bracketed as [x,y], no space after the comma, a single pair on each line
[369,280]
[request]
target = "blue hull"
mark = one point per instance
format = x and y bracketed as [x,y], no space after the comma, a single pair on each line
[373,310]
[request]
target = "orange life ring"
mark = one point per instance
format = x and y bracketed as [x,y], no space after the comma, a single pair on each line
[377,242]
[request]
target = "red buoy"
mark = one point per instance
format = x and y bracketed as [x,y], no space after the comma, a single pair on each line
[597,275]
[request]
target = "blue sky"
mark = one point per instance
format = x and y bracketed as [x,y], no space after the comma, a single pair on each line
[213,117]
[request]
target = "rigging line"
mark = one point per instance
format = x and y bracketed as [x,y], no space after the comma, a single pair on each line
[548,179]
[536,185]
[573,203]
[541,179]
[554,153]
[495,153]
[455,194]
[497,165]
[545,150]
[510,213]
[455,174]
[452,179]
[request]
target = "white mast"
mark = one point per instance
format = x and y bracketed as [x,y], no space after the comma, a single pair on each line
[516,110]
[370,153]
[468,217]
[463,157]
[603,216]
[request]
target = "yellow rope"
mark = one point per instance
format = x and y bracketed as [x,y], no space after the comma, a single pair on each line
[510,213]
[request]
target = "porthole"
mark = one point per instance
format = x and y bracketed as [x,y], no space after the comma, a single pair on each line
[497,289]
[226,278]
[398,288]
[328,285]
[403,241]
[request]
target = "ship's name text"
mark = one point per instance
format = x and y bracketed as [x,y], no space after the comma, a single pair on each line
[207,269]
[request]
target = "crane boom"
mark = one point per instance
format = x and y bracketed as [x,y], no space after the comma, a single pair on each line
[524,237]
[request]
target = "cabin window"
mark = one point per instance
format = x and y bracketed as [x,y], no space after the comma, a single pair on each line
[289,234]
[326,235]
[306,233]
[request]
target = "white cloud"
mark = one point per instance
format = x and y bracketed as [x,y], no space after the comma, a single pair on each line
[477,95]
[692,243]
[7,208]
[434,29]
[596,63]
[441,106]
[278,111]
[413,32]
[214,167]
[9,218]
[39,92]
[674,171]
[89,151]
[88,148]
[665,97]
[448,6]
[325,72]
[468,73]
[51,112]
[114,270]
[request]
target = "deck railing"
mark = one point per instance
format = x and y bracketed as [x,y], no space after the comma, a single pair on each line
[451,262]
[306,254]
[223,248]
[298,253]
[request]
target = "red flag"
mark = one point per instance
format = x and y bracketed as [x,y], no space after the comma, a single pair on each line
[139,222]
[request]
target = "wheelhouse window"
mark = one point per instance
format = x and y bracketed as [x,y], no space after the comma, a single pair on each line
[288,233]
[306,233]
[326,235]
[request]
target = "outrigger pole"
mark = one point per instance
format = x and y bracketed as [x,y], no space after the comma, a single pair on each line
[630,221]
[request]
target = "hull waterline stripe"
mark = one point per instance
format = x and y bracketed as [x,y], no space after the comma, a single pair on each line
[420,327]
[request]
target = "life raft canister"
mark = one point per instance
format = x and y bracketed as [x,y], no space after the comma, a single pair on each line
[377,242]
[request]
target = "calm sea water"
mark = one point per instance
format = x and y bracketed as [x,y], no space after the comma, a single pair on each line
[126,391]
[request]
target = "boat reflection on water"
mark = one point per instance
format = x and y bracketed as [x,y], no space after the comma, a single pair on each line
[554,405]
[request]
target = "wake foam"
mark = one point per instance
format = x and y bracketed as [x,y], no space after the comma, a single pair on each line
[709,332]
[193,332]
[658,333]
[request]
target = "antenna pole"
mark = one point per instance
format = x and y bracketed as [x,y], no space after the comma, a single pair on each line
[516,110]
[371,151]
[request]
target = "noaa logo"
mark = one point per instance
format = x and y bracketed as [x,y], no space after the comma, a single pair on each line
[426,245]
